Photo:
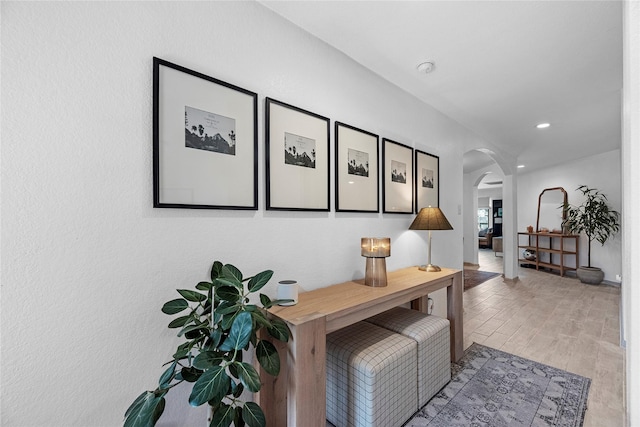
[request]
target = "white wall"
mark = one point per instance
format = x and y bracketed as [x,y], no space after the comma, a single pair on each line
[87,262]
[631,207]
[602,172]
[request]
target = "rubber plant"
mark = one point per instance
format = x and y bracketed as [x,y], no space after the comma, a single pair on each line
[594,217]
[218,324]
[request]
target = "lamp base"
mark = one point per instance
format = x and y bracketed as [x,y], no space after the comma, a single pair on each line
[376,272]
[429,268]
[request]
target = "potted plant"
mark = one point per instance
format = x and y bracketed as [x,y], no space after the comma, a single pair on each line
[598,221]
[220,324]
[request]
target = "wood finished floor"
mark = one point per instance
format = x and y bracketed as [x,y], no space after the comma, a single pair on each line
[557,321]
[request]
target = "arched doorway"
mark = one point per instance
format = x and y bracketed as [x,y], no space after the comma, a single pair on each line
[483,170]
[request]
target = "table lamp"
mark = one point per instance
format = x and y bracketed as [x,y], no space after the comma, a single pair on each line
[376,249]
[430,219]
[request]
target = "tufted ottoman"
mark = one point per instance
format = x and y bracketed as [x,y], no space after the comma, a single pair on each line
[432,336]
[371,377]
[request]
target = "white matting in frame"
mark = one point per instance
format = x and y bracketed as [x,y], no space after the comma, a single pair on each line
[297,158]
[397,169]
[427,180]
[357,178]
[204,141]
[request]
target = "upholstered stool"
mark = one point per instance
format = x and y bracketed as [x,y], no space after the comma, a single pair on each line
[432,336]
[371,377]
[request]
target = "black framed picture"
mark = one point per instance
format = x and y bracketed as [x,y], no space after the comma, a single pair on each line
[297,158]
[427,183]
[357,177]
[205,141]
[397,173]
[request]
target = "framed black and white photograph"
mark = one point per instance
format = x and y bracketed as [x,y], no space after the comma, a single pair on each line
[205,141]
[427,180]
[297,158]
[357,178]
[397,173]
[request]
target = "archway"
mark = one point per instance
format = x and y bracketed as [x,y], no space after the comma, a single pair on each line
[479,163]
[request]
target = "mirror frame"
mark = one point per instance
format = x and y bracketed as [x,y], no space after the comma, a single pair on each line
[564,210]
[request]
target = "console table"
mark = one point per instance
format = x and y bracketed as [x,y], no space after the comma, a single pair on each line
[296,398]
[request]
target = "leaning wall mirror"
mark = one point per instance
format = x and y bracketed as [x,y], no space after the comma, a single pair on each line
[550,210]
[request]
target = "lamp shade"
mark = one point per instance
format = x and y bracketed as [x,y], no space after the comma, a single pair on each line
[376,247]
[430,219]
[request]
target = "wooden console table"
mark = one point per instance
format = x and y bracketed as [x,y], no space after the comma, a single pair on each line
[296,398]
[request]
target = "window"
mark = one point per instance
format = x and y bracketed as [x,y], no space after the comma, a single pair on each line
[483,218]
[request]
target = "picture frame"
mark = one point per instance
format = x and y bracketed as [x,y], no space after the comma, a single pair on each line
[427,180]
[357,162]
[297,158]
[196,164]
[397,177]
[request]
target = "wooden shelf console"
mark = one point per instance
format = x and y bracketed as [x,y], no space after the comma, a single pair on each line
[296,398]
[551,250]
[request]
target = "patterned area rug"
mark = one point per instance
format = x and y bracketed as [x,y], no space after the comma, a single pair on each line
[491,388]
[473,278]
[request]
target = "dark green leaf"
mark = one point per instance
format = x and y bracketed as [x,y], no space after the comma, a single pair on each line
[197,334]
[193,327]
[204,286]
[261,319]
[216,268]
[223,281]
[239,334]
[174,306]
[215,337]
[279,330]
[268,357]
[157,413]
[168,375]
[190,374]
[139,401]
[227,307]
[143,411]
[233,370]
[228,293]
[222,416]
[192,296]
[207,359]
[212,385]
[265,301]
[252,414]
[180,321]
[237,419]
[249,376]
[259,280]
[231,272]
[227,321]
[236,389]
[182,351]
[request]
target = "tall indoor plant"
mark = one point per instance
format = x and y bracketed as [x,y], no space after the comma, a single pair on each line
[220,324]
[598,221]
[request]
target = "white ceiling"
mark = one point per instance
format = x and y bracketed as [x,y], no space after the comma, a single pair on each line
[501,66]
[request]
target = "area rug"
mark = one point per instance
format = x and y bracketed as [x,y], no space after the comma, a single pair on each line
[473,278]
[491,388]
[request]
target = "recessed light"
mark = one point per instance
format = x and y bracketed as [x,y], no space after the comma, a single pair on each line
[543,125]
[520,166]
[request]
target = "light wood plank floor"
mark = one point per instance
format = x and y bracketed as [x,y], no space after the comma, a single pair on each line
[557,321]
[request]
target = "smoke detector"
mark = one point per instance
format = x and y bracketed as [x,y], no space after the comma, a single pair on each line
[426,67]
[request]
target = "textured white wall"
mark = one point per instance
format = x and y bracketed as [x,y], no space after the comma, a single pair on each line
[87,262]
[602,172]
